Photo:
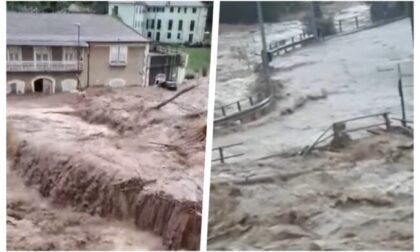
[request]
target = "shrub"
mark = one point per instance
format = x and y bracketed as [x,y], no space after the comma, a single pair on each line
[204,72]
[385,10]
[189,76]
[326,26]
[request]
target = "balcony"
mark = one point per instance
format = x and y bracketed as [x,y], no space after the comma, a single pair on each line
[46,66]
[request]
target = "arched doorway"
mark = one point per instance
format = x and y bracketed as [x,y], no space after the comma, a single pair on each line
[39,85]
[43,84]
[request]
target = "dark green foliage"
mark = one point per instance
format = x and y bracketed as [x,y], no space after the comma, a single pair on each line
[317,10]
[204,72]
[326,26]
[246,12]
[387,10]
[189,76]
[100,7]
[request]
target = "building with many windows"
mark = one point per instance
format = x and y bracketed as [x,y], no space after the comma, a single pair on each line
[53,52]
[164,21]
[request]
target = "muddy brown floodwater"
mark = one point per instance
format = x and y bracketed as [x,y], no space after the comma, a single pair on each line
[112,156]
[357,198]
[34,224]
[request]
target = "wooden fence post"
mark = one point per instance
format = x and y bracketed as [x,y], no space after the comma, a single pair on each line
[339,24]
[401,93]
[387,121]
[357,22]
[251,101]
[222,160]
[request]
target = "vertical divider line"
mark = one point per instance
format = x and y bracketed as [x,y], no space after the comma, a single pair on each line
[210,118]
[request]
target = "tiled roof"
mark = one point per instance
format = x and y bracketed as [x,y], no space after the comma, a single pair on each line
[56,28]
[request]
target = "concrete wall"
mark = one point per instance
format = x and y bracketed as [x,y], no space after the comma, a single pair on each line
[96,57]
[125,12]
[102,73]
[29,78]
[56,78]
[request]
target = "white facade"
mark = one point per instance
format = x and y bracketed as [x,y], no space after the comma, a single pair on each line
[167,22]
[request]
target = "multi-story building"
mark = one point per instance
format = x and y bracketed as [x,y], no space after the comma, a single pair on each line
[53,52]
[164,21]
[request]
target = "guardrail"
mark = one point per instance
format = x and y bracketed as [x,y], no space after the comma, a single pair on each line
[275,48]
[338,128]
[283,46]
[222,157]
[355,22]
[260,104]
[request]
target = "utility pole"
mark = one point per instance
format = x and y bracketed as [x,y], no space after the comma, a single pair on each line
[78,57]
[411,14]
[264,44]
[313,20]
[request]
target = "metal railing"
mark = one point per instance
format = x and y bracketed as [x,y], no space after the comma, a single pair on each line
[222,156]
[340,127]
[239,106]
[44,66]
[359,23]
[243,108]
[353,23]
[276,47]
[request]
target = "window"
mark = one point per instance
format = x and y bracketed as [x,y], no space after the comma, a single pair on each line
[149,9]
[185,10]
[147,23]
[115,11]
[118,55]
[171,9]
[158,24]
[180,25]
[168,35]
[157,36]
[13,53]
[163,9]
[178,36]
[179,9]
[194,10]
[190,38]
[152,25]
[170,24]
[69,54]
[149,34]
[42,54]
[192,25]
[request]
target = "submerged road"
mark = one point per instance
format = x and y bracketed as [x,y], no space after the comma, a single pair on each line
[358,74]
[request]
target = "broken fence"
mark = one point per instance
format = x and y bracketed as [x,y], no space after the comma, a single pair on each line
[283,46]
[336,129]
[351,23]
[222,156]
[241,108]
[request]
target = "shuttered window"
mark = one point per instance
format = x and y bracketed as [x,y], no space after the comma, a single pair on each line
[118,55]
[14,53]
[69,54]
